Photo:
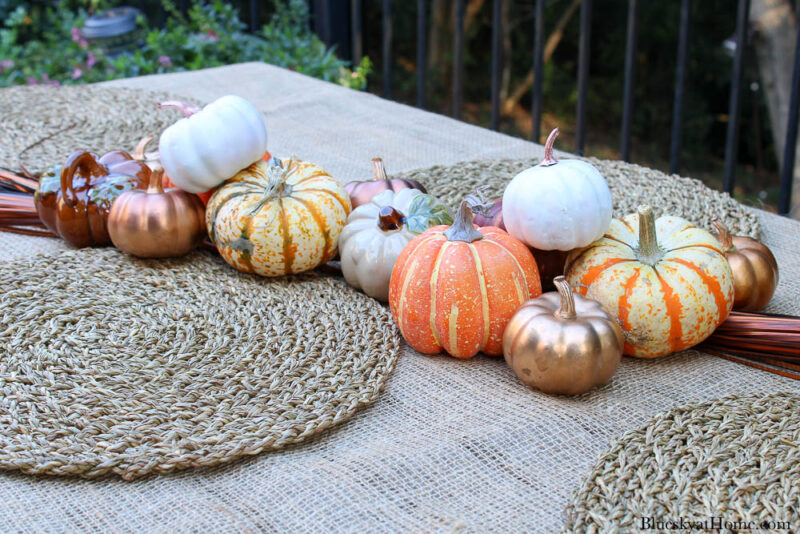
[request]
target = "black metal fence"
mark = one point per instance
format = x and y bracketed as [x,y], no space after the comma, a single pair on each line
[324,12]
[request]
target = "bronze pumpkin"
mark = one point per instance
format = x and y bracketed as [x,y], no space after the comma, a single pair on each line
[755,270]
[362,192]
[562,342]
[74,201]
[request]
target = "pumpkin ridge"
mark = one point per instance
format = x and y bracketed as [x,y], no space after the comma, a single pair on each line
[713,286]
[434,285]
[620,241]
[484,294]
[310,177]
[674,309]
[219,204]
[288,255]
[334,194]
[625,222]
[704,245]
[592,273]
[623,308]
[324,230]
[527,295]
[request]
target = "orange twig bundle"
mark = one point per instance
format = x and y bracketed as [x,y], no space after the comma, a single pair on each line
[769,342]
[17,210]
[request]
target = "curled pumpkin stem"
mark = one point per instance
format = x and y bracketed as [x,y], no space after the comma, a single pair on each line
[549,158]
[723,234]
[187,109]
[567,308]
[463,229]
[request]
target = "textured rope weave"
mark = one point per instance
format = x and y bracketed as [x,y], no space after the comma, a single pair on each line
[114,365]
[735,458]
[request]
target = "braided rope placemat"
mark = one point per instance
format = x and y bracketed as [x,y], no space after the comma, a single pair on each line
[736,458]
[42,125]
[631,185]
[110,364]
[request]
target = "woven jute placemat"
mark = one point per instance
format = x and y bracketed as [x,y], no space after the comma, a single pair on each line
[733,459]
[110,364]
[631,185]
[42,125]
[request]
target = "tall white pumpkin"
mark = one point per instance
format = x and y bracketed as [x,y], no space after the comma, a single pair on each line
[211,145]
[557,205]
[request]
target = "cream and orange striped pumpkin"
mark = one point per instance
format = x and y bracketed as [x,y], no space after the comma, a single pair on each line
[456,287]
[667,281]
[278,218]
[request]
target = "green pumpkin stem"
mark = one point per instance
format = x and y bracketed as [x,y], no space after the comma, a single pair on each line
[549,158]
[649,252]
[462,228]
[390,219]
[567,308]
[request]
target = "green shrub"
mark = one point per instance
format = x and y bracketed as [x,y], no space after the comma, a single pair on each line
[44,45]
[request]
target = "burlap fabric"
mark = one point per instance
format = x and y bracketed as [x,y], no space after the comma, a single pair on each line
[135,367]
[450,444]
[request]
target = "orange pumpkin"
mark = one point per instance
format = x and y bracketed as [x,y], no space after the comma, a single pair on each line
[456,287]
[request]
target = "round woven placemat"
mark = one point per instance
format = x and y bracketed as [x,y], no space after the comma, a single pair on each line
[42,125]
[736,458]
[114,365]
[631,186]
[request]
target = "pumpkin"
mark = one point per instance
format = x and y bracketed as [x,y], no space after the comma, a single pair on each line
[755,270]
[557,205]
[378,231]
[362,192]
[74,201]
[207,147]
[155,223]
[666,281]
[456,287]
[549,262]
[563,343]
[277,218]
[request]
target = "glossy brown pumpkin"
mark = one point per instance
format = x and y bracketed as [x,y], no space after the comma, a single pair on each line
[362,192]
[550,262]
[75,202]
[156,223]
[755,270]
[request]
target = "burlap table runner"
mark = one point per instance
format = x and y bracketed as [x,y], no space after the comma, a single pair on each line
[450,444]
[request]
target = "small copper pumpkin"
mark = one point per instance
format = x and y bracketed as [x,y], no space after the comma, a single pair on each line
[550,262]
[562,342]
[156,223]
[755,270]
[73,201]
[362,192]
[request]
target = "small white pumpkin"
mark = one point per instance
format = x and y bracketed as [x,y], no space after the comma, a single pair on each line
[377,232]
[557,205]
[211,145]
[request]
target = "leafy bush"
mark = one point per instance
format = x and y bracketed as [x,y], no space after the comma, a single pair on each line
[45,45]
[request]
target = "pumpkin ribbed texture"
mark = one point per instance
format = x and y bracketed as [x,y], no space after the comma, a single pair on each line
[459,296]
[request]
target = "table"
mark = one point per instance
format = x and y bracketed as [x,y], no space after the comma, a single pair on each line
[451,444]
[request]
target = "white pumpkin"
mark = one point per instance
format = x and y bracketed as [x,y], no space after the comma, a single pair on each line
[206,148]
[557,205]
[377,232]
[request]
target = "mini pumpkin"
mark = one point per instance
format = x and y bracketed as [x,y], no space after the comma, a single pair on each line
[563,343]
[666,281]
[362,192]
[456,287]
[755,270]
[277,218]
[376,233]
[557,205]
[74,201]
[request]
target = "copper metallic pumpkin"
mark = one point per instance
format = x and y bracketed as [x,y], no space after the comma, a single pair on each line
[74,202]
[454,288]
[666,281]
[755,270]
[563,343]
[362,192]
[156,223]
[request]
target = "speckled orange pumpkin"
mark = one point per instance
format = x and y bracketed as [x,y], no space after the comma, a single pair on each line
[666,281]
[456,287]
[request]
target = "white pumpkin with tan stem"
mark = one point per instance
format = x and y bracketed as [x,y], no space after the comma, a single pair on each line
[557,205]
[209,146]
[376,233]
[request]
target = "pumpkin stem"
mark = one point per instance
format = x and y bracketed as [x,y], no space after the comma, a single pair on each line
[724,235]
[549,158]
[378,170]
[567,308]
[138,152]
[276,175]
[155,186]
[463,228]
[649,251]
[187,109]
[390,219]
